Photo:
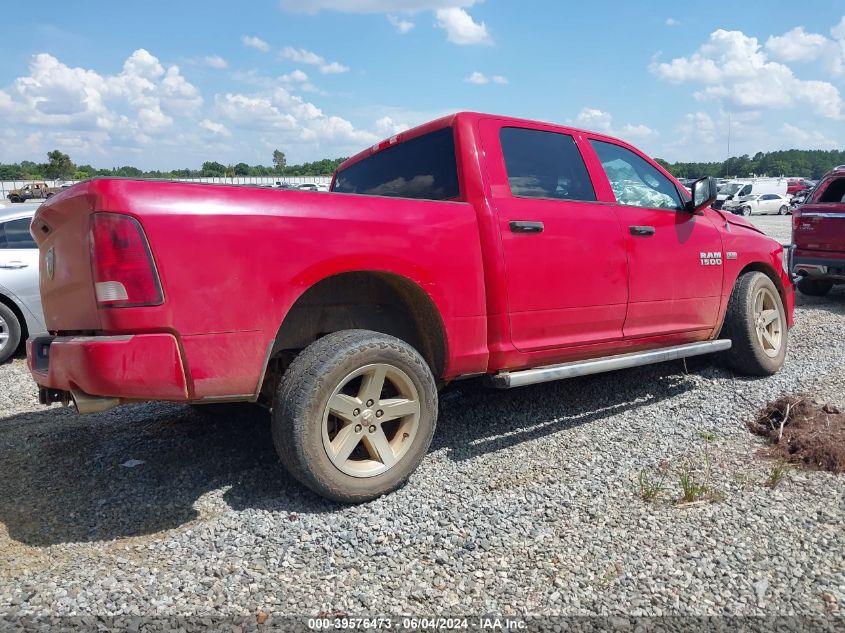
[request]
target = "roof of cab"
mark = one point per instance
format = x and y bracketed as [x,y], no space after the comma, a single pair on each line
[451,120]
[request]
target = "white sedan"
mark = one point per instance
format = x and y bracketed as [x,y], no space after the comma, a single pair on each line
[759,203]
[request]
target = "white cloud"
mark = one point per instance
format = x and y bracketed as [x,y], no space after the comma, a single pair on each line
[215,61]
[733,68]
[386,127]
[796,45]
[250,41]
[481,79]
[792,136]
[333,68]
[402,26]
[372,6]
[597,120]
[297,76]
[672,22]
[217,129]
[461,28]
[303,56]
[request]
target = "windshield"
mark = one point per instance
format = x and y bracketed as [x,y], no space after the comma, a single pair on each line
[730,188]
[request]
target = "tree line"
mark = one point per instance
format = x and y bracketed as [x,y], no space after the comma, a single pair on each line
[807,163]
[59,166]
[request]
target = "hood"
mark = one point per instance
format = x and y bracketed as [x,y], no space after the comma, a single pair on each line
[737,220]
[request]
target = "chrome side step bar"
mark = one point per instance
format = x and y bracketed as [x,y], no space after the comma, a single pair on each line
[506,380]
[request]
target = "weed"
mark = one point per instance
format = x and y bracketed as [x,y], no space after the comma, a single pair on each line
[708,436]
[691,490]
[650,487]
[778,473]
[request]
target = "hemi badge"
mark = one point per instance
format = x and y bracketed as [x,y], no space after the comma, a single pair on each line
[730,255]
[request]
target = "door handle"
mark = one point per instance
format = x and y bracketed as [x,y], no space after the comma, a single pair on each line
[13,265]
[524,226]
[644,231]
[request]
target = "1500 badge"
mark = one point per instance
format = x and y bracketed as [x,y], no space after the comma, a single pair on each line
[711,259]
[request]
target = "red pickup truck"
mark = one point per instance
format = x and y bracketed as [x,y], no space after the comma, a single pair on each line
[474,245]
[818,232]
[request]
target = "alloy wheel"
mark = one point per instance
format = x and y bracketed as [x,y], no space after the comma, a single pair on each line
[371,420]
[767,319]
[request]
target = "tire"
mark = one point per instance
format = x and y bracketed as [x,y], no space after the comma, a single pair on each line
[10,333]
[14,199]
[746,211]
[344,368]
[814,287]
[783,210]
[752,353]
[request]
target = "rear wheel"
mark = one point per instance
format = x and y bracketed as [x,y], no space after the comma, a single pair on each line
[756,324]
[783,210]
[814,287]
[10,333]
[354,415]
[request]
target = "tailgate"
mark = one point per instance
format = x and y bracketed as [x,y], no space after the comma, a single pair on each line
[60,227]
[820,227]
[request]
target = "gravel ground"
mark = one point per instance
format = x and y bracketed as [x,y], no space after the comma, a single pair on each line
[527,503]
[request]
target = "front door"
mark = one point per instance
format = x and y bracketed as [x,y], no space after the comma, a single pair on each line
[564,252]
[675,257]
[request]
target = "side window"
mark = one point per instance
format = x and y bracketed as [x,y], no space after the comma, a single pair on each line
[768,196]
[634,181]
[833,191]
[545,165]
[15,234]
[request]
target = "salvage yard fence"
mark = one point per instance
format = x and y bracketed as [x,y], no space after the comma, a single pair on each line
[259,181]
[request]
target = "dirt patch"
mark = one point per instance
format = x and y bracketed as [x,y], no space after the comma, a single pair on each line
[803,432]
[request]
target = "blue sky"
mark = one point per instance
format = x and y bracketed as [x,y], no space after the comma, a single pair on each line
[170,84]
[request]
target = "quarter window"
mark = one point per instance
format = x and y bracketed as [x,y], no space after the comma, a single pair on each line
[15,234]
[545,165]
[424,167]
[635,182]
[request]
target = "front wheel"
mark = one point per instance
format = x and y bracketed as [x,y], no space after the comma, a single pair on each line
[10,333]
[783,210]
[354,415]
[756,324]
[814,287]
[15,199]
[746,211]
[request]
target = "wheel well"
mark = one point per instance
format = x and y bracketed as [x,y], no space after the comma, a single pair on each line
[769,272]
[17,312]
[370,300]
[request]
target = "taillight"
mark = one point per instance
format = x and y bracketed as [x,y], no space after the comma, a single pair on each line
[124,271]
[796,220]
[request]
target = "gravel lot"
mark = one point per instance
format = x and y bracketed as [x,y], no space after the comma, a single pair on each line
[527,503]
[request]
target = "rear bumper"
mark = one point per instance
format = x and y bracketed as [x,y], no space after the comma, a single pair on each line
[819,264]
[136,367]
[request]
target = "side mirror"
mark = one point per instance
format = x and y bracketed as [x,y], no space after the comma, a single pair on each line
[704,192]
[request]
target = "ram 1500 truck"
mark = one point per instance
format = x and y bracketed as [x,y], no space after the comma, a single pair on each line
[474,245]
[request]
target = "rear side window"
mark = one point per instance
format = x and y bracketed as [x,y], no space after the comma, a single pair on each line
[635,182]
[834,192]
[15,234]
[424,167]
[545,165]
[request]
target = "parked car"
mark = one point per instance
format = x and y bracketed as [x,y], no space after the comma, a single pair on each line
[818,233]
[32,191]
[20,300]
[744,188]
[473,245]
[758,203]
[310,186]
[795,185]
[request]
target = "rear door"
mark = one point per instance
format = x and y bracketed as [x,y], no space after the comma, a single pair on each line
[564,252]
[821,225]
[19,263]
[675,258]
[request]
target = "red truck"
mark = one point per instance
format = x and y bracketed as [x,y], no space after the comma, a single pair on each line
[818,233]
[474,245]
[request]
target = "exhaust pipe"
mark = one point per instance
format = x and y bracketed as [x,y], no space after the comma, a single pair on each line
[86,403]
